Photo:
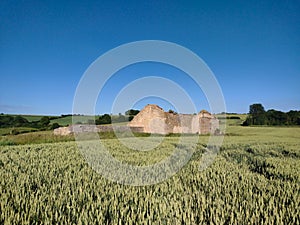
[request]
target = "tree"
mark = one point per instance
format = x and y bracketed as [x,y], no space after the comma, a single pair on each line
[275,117]
[14,132]
[172,111]
[20,121]
[293,117]
[257,115]
[132,112]
[104,119]
[130,118]
[44,121]
[54,126]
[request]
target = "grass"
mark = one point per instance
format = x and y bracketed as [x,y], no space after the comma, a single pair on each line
[232,122]
[261,134]
[44,179]
[7,131]
[234,133]
[34,138]
[253,180]
[30,118]
[64,121]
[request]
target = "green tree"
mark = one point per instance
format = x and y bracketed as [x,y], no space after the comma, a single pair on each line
[132,112]
[275,117]
[20,121]
[172,111]
[44,121]
[293,117]
[54,126]
[14,132]
[258,114]
[104,119]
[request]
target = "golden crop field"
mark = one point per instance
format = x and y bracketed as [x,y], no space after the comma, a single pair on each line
[253,180]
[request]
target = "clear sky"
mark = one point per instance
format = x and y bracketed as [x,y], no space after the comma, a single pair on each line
[252,47]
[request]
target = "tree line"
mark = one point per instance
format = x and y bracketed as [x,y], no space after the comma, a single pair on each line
[19,121]
[8,121]
[259,116]
[108,119]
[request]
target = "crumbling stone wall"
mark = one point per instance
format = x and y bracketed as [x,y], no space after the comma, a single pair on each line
[95,128]
[62,131]
[154,120]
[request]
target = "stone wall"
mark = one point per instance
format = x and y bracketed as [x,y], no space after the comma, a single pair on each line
[154,120]
[95,128]
[62,131]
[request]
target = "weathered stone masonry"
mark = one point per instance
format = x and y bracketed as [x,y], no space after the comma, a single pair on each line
[153,119]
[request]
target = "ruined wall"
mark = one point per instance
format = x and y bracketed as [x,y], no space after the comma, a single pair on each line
[205,127]
[172,123]
[207,123]
[154,120]
[62,131]
[185,123]
[93,128]
[215,126]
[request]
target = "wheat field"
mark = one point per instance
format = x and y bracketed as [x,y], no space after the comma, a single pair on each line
[253,180]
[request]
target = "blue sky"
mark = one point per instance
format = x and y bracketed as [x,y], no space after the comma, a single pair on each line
[252,47]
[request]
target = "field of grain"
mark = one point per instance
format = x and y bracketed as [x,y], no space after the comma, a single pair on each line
[253,180]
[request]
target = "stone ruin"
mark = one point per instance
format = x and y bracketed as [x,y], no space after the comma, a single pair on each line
[153,119]
[81,128]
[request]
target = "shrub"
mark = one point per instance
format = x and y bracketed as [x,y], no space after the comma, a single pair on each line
[54,126]
[14,132]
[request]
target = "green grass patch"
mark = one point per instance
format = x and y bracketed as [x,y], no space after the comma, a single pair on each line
[64,121]
[16,130]
[35,138]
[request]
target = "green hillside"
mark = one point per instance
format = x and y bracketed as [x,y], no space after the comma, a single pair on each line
[64,121]
[30,118]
